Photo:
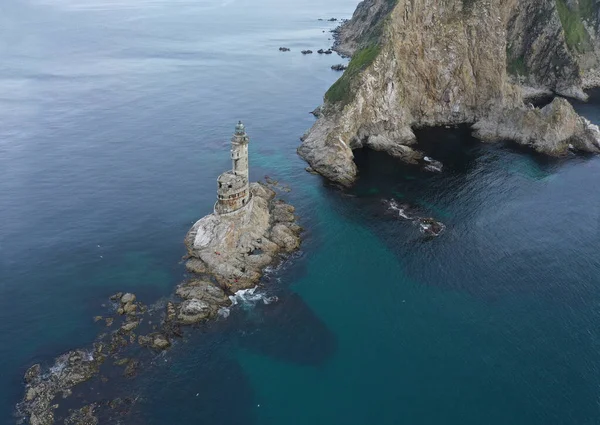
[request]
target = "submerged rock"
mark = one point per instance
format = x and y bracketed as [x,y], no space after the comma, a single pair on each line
[430,226]
[432,165]
[83,416]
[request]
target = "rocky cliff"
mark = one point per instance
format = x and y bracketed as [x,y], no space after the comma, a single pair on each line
[422,63]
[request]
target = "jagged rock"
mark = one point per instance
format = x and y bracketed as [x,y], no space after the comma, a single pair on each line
[284,49]
[131,368]
[195,265]
[283,236]
[116,297]
[69,369]
[33,373]
[171,312]
[83,416]
[160,342]
[129,308]
[129,326]
[339,67]
[155,340]
[283,212]
[550,130]
[144,340]
[193,311]
[202,290]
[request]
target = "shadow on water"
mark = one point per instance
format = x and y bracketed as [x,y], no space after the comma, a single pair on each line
[508,229]
[289,331]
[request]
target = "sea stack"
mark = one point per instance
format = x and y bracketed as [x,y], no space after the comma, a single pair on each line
[248,229]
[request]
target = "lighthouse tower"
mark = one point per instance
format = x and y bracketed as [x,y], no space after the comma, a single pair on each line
[233,192]
[239,151]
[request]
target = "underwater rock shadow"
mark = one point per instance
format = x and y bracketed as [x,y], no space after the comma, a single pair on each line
[222,393]
[289,331]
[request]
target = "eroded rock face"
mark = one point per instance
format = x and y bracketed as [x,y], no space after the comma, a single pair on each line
[235,248]
[551,130]
[432,63]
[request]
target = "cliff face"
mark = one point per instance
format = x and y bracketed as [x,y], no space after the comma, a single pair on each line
[441,62]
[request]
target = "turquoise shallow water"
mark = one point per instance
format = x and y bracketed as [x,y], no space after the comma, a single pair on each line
[115,118]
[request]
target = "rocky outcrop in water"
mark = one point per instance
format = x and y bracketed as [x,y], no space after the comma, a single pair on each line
[235,248]
[552,130]
[226,253]
[430,63]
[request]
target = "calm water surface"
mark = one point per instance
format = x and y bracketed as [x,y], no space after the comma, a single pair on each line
[114,121]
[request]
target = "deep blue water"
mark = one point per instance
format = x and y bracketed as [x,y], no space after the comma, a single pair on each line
[114,121]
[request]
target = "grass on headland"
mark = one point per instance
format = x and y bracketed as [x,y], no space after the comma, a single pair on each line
[576,35]
[342,90]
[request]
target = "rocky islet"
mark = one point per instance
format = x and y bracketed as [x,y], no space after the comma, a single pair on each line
[226,253]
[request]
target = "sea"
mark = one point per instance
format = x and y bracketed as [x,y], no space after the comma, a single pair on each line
[115,119]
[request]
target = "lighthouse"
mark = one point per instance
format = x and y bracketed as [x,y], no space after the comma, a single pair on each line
[233,191]
[239,151]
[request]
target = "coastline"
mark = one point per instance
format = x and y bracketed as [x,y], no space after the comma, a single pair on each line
[380,101]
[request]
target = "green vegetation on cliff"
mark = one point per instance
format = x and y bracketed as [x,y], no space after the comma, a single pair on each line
[342,90]
[516,65]
[576,35]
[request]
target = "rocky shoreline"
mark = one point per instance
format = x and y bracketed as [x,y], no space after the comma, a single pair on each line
[225,254]
[414,66]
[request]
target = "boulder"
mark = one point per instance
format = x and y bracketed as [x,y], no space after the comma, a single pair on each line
[194,311]
[127,298]
[33,373]
[129,326]
[129,308]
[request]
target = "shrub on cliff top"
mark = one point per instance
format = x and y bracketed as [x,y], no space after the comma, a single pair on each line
[342,90]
